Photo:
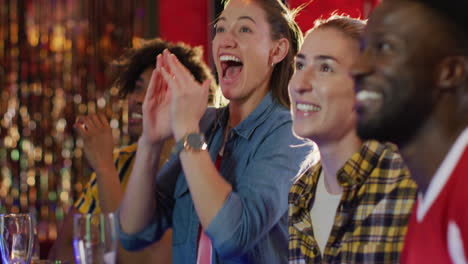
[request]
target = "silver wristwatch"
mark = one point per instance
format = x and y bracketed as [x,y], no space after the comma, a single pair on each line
[192,142]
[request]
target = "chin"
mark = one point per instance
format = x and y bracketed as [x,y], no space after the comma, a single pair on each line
[367,129]
[302,131]
[134,132]
[398,130]
[371,124]
[227,94]
[234,94]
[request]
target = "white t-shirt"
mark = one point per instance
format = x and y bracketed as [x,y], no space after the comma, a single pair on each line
[322,213]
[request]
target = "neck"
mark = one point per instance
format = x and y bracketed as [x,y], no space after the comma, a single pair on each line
[428,147]
[133,139]
[240,109]
[333,155]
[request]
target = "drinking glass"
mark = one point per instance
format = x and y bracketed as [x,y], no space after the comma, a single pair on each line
[95,238]
[47,261]
[16,239]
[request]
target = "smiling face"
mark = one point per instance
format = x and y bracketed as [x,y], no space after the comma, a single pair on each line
[242,50]
[321,89]
[396,74]
[135,103]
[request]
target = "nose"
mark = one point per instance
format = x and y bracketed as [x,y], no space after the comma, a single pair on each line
[301,82]
[228,40]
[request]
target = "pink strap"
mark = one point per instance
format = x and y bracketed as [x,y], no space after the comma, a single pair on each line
[204,243]
[204,249]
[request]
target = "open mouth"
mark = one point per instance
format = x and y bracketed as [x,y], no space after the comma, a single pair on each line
[231,67]
[304,109]
[135,118]
[368,101]
[368,95]
[308,107]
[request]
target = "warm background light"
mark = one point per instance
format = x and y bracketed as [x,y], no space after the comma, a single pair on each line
[54,66]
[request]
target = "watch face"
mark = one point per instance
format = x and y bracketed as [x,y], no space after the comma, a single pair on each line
[195,141]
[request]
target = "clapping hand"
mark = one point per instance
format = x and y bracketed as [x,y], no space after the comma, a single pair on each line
[156,108]
[97,139]
[189,98]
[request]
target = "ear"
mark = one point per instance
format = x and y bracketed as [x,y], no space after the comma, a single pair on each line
[453,77]
[453,73]
[279,51]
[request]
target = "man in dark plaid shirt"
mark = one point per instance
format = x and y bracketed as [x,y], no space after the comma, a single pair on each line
[352,206]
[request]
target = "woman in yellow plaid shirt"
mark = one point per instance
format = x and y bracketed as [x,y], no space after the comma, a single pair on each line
[353,205]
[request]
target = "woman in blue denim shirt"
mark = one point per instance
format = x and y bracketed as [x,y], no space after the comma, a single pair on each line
[230,199]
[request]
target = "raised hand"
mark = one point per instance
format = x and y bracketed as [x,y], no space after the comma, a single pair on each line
[98,142]
[156,108]
[189,97]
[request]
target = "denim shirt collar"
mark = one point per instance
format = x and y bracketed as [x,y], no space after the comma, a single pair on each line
[246,128]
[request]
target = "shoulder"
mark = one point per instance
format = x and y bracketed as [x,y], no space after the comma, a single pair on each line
[277,124]
[124,154]
[391,154]
[211,113]
[279,115]
[128,149]
[209,117]
[387,158]
[305,181]
[389,168]
[274,135]
[457,186]
[392,174]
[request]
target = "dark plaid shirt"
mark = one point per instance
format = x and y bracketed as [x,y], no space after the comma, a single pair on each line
[371,219]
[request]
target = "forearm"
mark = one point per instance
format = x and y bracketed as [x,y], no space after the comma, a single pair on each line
[62,248]
[156,253]
[110,190]
[207,187]
[139,204]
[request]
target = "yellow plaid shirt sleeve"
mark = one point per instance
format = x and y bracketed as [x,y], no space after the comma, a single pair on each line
[89,199]
[371,219]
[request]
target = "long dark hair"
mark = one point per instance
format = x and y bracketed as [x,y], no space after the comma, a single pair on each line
[282,25]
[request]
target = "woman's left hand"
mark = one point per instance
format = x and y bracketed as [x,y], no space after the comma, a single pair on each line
[98,142]
[189,98]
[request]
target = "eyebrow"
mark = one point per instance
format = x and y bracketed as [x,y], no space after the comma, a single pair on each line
[325,57]
[318,57]
[219,19]
[248,18]
[240,18]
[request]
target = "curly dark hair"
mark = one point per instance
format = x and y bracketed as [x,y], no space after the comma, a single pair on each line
[137,60]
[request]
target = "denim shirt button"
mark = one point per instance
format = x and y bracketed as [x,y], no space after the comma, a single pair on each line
[226,153]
